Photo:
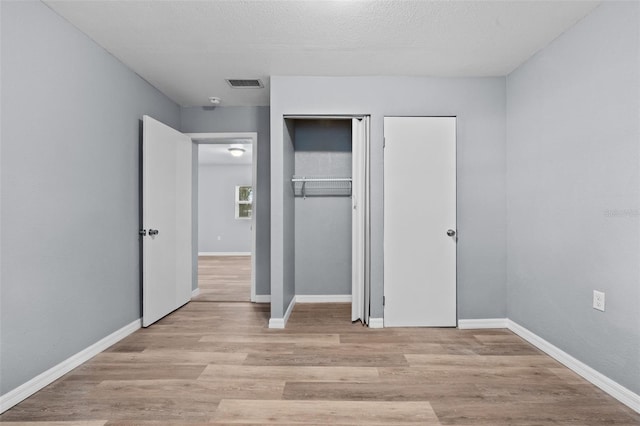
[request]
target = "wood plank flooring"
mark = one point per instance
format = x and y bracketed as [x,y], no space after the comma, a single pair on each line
[224,279]
[218,363]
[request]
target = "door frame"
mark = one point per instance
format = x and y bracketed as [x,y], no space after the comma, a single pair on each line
[205,138]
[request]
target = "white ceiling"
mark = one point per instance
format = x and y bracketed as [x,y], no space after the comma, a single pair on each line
[187,48]
[218,153]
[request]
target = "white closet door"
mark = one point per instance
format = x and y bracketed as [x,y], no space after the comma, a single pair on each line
[359,220]
[420,221]
[166,199]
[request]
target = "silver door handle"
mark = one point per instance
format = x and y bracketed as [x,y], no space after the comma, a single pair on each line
[153,232]
[450,232]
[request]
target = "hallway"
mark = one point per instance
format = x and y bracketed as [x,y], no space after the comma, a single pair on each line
[224,279]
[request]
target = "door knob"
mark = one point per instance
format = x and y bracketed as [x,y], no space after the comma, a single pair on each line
[153,232]
[450,232]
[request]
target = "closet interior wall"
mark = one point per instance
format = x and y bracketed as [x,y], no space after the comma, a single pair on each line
[322,225]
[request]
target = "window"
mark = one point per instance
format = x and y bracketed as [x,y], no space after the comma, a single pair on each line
[244,201]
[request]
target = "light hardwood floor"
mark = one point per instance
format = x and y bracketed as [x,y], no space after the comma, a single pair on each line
[224,279]
[217,362]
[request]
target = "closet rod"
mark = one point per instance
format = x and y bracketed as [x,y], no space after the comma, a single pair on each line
[321,180]
[321,186]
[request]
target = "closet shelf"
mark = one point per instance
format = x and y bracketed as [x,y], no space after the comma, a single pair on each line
[321,186]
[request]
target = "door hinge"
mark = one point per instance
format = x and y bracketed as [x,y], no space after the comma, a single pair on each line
[384,143]
[384,300]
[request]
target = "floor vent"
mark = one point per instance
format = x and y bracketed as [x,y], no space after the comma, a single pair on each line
[237,83]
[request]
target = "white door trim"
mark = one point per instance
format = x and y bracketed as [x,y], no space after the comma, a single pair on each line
[203,138]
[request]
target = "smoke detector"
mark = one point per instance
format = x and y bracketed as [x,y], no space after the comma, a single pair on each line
[215,100]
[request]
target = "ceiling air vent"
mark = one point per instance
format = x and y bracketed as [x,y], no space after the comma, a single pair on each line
[238,83]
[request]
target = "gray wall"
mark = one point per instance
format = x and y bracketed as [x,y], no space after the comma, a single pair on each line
[479,104]
[288,222]
[69,214]
[573,172]
[282,223]
[323,224]
[194,216]
[216,209]
[244,119]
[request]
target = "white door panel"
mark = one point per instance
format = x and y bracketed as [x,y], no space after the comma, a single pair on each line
[166,207]
[360,240]
[419,208]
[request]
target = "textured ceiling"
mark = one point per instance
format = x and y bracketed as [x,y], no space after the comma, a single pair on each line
[187,48]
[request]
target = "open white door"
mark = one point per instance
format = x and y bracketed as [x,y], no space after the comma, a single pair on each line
[166,217]
[420,221]
[360,220]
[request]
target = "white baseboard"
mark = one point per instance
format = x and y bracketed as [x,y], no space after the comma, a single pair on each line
[616,390]
[276,322]
[27,389]
[376,323]
[611,387]
[281,322]
[262,298]
[302,298]
[470,324]
[323,298]
[224,253]
[289,309]
[195,293]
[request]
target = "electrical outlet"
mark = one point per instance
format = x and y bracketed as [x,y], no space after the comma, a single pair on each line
[598,300]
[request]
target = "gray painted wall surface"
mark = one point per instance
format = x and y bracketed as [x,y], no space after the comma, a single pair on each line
[244,119]
[573,172]
[194,216]
[479,104]
[283,278]
[69,214]
[323,224]
[216,209]
[289,221]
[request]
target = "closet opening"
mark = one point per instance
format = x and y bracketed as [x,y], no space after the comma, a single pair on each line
[329,184]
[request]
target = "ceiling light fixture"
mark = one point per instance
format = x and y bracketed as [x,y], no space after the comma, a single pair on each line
[236,152]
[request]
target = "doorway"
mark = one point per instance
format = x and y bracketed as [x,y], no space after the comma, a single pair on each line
[225,235]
